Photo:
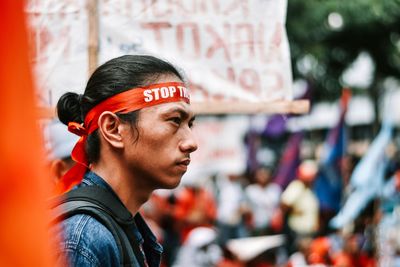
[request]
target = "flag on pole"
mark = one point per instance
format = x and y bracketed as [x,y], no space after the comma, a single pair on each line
[24,240]
[367,178]
[290,161]
[276,125]
[253,145]
[328,185]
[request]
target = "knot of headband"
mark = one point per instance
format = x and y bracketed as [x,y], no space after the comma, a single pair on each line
[76,128]
[125,102]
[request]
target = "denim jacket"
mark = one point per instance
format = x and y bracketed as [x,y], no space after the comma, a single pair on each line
[83,241]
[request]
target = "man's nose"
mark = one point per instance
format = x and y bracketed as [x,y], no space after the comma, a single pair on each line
[189,143]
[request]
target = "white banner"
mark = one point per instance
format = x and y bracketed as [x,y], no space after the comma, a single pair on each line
[229,49]
[221,146]
[59,47]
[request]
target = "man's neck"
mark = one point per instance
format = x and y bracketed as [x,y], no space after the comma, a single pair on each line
[124,185]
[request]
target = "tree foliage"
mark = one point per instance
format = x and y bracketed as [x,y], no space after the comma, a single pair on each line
[320,52]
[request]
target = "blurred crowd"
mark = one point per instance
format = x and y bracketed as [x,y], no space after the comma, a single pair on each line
[251,219]
[196,223]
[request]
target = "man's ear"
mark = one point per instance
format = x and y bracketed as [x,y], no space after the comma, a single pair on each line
[110,130]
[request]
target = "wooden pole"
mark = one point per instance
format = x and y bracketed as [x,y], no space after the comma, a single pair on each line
[263,107]
[93,42]
[215,108]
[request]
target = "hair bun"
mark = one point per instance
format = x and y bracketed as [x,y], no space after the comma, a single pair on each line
[69,108]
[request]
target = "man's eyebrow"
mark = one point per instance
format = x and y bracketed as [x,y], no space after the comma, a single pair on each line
[184,114]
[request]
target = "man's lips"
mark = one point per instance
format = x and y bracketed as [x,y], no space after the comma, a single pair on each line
[184,162]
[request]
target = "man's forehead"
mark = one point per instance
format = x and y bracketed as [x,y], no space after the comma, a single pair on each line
[166,108]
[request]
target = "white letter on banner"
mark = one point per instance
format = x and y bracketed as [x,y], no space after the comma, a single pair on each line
[156,94]
[164,92]
[172,90]
[148,96]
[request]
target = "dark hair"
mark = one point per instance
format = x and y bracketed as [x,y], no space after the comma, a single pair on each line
[113,77]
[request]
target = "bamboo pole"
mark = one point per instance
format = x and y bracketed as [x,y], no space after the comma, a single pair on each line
[93,41]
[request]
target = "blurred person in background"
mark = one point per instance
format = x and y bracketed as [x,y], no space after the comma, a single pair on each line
[59,143]
[388,217]
[231,207]
[195,207]
[263,197]
[188,207]
[300,206]
[200,249]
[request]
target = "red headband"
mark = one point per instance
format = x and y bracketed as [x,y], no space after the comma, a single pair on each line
[125,102]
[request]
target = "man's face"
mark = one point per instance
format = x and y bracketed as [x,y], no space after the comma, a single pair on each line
[161,153]
[263,176]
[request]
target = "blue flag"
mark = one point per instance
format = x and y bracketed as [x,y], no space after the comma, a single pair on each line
[329,183]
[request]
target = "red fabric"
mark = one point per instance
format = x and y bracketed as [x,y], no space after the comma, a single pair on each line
[195,207]
[397,180]
[24,185]
[277,220]
[342,259]
[319,250]
[125,102]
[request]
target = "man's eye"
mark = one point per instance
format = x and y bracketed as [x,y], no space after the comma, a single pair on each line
[176,120]
[191,124]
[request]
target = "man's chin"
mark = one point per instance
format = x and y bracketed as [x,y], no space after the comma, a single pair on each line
[171,184]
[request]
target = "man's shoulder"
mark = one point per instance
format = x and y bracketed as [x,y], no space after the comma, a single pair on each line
[295,185]
[84,239]
[253,189]
[291,194]
[84,227]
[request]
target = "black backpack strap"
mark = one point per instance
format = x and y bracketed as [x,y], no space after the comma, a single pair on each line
[108,210]
[102,198]
[81,207]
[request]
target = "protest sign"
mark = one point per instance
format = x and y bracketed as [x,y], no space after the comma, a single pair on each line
[233,52]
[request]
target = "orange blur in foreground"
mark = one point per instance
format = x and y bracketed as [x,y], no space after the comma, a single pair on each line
[24,239]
